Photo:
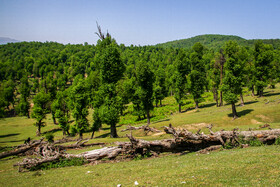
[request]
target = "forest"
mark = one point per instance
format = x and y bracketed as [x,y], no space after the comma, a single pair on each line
[67,81]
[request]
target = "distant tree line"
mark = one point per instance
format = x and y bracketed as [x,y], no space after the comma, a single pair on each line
[66,80]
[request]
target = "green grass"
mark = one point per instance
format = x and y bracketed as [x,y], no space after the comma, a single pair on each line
[256,112]
[254,166]
[250,166]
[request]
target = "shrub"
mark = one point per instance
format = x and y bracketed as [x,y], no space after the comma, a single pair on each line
[277,141]
[62,162]
[50,137]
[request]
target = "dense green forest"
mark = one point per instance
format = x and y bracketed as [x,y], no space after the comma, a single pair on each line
[68,80]
[215,42]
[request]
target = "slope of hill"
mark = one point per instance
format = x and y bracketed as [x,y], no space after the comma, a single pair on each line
[5,40]
[209,40]
[215,41]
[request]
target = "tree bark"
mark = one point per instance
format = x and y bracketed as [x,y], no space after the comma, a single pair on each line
[148,117]
[92,134]
[80,135]
[242,100]
[53,118]
[113,131]
[183,140]
[38,133]
[196,104]
[234,113]
[253,91]
[146,128]
[221,98]
[20,150]
[180,108]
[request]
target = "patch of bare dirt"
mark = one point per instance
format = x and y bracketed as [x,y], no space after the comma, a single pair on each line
[253,121]
[263,118]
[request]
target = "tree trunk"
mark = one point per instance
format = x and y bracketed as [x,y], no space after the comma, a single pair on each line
[215,96]
[196,104]
[253,91]
[160,103]
[53,118]
[38,133]
[114,131]
[148,117]
[92,134]
[80,135]
[234,113]
[179,108]
[221,82]
[221,98]
[242,100]
[261,93]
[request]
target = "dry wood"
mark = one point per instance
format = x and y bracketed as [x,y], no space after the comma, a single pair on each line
[21,149]
[108,152]
[183,140]
[146,129]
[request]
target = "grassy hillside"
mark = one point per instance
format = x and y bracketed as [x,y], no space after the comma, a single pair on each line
[215,41]
[250,166]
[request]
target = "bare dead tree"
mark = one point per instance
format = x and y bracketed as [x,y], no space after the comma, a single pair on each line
[100,34]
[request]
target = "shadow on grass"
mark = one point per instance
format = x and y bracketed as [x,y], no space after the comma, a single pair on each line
[250,102]
[207,105]
[242,113]
[267,94]
[162,120]
[13,141]
[8,135]
[107,128]
[52,131]
[104,135]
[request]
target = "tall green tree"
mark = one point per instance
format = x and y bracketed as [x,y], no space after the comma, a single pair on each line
[145,80]
[198,75]
[182,70]
[160,90]
[106,105]
[40,109]
[263,57]
[61,108]
[79,99]
[232,82]
[24,105]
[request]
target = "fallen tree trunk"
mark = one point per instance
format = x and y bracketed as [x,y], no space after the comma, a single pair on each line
[146,129]
[21,149]
[183,140]
[108,152]
[78,145]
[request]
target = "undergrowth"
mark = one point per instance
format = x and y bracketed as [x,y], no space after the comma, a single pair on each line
[62,162]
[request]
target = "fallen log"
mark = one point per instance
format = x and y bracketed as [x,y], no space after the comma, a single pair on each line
[21,149]
[78,144]
[146,129]
[183,140]
[108,152]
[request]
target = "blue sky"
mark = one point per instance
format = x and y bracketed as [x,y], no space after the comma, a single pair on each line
[138,22]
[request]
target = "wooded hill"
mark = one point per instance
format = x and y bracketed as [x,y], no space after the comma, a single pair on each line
[216,41]
[66,80]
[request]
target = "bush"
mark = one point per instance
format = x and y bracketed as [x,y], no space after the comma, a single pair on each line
[50,137]
[73,131]
[277,141]
[62,162]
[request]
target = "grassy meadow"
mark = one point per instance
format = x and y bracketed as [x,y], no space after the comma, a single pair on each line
[251,166]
